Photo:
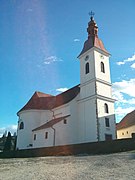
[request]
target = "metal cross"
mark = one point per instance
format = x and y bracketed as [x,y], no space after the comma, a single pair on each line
[91,14]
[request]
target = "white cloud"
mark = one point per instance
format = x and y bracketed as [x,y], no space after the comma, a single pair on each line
[47,62]
[127,87]
[12,128]
[120,112]
[62,89]
[120,63]
[76,40]
[124,93]
[133,66]
[130,59]
[51,59]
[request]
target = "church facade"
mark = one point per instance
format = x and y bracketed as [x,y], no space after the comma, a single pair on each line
[84,113]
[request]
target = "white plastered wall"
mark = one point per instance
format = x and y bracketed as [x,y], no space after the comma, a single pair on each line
[104,89]
[111,130]
[87,124]
[40,140]
[91,75]
[100,57]
[31,120]
[125,132]
[64,133]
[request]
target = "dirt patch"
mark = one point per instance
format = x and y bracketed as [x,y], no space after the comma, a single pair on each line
[119,166]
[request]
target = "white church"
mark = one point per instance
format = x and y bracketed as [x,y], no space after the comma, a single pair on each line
[82,114]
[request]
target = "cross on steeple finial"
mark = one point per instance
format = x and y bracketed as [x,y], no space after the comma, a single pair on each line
[91,14]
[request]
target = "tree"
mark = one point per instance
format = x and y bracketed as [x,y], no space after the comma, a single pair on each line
[4,134]
[7,146]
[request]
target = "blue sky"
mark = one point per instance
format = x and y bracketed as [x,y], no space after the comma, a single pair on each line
[41,39]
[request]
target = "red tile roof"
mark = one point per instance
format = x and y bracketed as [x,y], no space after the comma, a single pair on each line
[50,123]
[127,121]
[44,101]
[40,94]
[93,41]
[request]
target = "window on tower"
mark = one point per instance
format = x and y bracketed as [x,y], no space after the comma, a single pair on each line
[106,108]
[65,121]
[87,68]
[102,67]
[107,123]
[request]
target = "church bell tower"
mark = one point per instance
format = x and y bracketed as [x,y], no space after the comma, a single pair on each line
[95,87]
[94,58]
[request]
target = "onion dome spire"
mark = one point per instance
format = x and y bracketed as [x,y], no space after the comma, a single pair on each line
[92,26]
[93,40]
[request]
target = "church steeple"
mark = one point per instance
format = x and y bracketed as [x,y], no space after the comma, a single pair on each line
[93,40]
[92,26]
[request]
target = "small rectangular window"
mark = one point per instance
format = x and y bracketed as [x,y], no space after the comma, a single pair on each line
[107,123]
[34,137]
[65,121]
[46,135]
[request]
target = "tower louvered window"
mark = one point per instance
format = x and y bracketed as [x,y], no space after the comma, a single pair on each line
[102,67]
[106,108]
[87,68]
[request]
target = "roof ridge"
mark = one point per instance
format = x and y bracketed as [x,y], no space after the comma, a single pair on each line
[51,122]
[68,90]
[128,120]
[42,101]
[39,94]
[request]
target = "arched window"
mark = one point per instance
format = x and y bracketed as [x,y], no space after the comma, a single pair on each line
[106,108]
[87,68]
[21,125]
[102,67]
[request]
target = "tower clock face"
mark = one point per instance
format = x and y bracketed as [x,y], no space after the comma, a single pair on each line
[87,57]
[101,56]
